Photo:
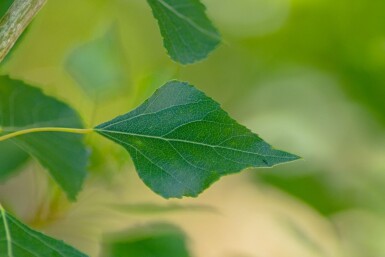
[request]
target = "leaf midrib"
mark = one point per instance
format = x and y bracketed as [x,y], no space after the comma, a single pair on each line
[144,113]
[187,141]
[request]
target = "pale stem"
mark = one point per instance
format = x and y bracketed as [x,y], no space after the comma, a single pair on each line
[48,129]
[13,23]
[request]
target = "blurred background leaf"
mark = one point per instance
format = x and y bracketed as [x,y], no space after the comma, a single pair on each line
[99,66]
[314,189]
[154,240]
[64,155]
[156,209]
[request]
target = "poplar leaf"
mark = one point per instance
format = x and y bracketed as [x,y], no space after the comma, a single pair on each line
[188,34]
[181,141]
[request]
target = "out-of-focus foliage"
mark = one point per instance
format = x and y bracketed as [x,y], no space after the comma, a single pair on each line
[160,240]
[15,158]
[306,75]
[156,209]
[98,66]
[64,155]
[314,189]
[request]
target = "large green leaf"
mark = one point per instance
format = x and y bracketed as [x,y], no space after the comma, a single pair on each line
[181,141]
[64,155]
[188,34]
[18,240]
[154,240]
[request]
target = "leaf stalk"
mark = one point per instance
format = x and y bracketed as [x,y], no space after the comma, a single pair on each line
[47,129]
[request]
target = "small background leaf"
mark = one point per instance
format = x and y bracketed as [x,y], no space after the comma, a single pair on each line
[155,240]
[99,66]
[25,242]
[181,141]
[156,209]
[313,188]
[188,34]
[63,154]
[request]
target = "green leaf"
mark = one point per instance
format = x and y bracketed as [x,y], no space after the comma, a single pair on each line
[188,35]
[155,240]
[181,141]
[18,240]
[64,155]
[14,157]
[98,66]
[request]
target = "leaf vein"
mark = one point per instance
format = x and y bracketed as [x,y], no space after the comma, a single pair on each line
[189,21]
[150,160]
[34,236]
[190,142]
[151,113]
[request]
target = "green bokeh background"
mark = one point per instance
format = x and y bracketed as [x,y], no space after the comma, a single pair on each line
[307,75]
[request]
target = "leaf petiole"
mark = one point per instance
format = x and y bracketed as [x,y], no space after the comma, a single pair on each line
[47,129]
